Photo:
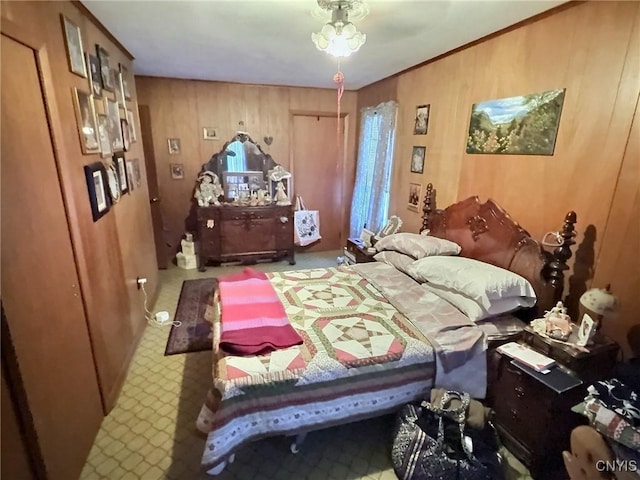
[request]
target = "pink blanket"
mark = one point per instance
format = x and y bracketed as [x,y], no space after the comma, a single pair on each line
[253,320]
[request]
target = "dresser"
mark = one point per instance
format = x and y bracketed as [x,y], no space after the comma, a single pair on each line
[229,233]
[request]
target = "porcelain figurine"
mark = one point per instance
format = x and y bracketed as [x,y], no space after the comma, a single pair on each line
[281,195]
[208,190]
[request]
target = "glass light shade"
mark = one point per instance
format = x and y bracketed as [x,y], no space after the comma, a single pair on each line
[339,41]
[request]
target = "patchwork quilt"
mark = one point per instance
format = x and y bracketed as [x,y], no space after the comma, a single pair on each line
[361,357]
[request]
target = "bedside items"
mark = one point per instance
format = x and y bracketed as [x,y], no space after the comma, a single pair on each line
[356,252]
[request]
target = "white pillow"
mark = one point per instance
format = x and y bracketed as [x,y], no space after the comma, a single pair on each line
[416,245]
[473,309]
[478,280]
[396,259]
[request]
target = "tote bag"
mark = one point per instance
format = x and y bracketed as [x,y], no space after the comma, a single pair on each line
[306,226]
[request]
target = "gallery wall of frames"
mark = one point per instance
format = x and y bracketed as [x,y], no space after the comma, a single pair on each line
[90,96]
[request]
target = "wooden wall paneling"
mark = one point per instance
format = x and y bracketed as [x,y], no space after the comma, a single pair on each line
[111,250]
[618,263]
[46,328]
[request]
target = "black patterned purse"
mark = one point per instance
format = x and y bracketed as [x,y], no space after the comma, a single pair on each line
[429,443]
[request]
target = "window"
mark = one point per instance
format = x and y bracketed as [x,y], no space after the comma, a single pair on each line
[370,205]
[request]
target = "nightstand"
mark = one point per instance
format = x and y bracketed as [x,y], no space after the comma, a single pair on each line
[356,252]
[535,420]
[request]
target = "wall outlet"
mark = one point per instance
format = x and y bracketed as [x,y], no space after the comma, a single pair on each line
[140,281]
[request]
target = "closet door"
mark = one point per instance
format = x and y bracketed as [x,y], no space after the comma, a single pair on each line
[45,337]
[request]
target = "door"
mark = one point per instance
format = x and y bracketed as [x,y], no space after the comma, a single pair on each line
[317,174]
[162,249]
[50,357]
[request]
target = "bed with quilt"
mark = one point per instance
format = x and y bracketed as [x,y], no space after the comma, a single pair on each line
[360,341]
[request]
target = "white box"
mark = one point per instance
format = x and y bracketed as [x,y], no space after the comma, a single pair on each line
[188,262]
[187,247]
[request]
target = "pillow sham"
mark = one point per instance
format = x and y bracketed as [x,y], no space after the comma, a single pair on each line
[473,309]
[416,245]
[480,281]
[396,259]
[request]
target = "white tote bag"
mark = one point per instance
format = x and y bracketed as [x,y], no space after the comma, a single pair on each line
[306,224]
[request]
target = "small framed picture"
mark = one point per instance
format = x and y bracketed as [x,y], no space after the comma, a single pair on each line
[177,171]
[96,177]
[117,82]
[414,196]
[73,40]
[121,170]
[417,159]
[126,82]
[586,330]
[366,236]
[86,120]
[131,121]
[105,71]
[422,120]
[130,175]
[137,176]
[174,146]
[103,135]
[210,133]
[115,129]
[93,66]
[126,134]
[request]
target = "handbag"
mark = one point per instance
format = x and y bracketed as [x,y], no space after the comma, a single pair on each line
[306,224]
[432,442]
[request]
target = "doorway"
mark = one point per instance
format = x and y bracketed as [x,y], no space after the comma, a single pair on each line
[317,165]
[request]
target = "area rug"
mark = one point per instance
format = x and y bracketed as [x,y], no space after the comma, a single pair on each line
[194,332]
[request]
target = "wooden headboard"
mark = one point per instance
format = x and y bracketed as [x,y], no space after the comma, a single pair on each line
[487,233]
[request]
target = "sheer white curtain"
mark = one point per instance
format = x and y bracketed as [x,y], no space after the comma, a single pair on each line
[370,205]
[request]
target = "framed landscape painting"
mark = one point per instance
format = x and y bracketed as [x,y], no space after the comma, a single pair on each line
[524,125]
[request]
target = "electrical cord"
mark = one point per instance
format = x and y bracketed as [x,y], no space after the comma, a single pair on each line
[151,318]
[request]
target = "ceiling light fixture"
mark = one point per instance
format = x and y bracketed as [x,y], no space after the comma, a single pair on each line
[340,37]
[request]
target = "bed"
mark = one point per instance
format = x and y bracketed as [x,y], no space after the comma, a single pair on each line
[374,338]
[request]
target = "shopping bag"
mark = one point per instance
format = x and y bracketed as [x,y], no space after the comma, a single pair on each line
[306,224]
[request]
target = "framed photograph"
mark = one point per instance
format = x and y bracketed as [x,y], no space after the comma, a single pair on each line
[73,40]
[174,146]
[586,330]
[210,133]
[177,171]
[422,120]
[417,159]
[366,236]
[96,176]
[126,82]
[115,129]
[241,184]
[117,84]
[105,71]
[136,172]
[86,120]
[414,196]
[130,175]
[131,121]
[93,67]
[121,170]
[112,182]
[103,135]
[126,138]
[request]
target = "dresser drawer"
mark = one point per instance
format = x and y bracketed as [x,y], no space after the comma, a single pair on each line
[239,213]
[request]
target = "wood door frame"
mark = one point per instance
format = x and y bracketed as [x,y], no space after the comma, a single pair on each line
[344,117]
[37,42]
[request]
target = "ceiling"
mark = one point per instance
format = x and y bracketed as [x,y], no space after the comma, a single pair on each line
[269,41]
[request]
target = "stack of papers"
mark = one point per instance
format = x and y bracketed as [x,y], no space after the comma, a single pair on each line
[527,356]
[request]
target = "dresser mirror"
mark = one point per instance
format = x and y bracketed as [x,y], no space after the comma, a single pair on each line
[241,166]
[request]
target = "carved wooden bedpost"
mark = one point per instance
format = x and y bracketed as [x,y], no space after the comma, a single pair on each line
[429,206]
[560,256]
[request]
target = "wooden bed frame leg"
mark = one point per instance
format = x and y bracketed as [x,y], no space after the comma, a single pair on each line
[218,469]
[295,445]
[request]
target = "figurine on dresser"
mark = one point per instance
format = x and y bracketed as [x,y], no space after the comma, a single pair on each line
[555,324]
[208,189]
[281,195]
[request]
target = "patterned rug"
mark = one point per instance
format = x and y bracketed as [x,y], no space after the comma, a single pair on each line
[194,333]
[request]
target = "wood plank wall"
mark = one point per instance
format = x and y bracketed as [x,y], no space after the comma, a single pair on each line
[112,252]
[182,108]
[591,49]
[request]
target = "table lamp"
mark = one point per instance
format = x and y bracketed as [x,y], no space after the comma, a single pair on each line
[599,303]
